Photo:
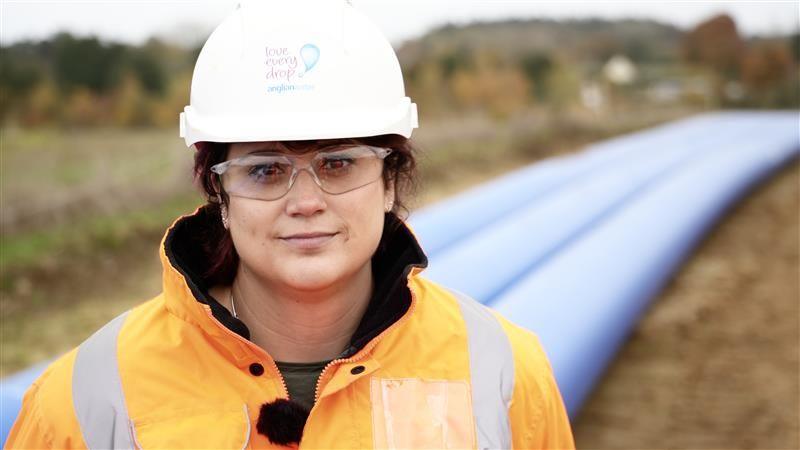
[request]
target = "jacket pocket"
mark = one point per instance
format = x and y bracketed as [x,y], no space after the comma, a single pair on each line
[225,428]
[421,414]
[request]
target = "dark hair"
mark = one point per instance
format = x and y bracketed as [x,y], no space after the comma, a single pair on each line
[400,169]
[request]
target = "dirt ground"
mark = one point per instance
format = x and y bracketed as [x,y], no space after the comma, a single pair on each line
[714,362]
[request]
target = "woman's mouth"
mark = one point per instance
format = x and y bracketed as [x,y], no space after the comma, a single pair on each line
[308,241]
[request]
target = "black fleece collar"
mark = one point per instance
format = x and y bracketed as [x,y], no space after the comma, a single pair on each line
[397,253]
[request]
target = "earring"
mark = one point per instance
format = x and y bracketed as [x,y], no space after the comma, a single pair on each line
[224,213]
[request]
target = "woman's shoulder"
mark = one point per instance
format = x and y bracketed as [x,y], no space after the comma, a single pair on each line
[481,318]
[56,380]
[531,364]
[523,341]
[537,406]
[45,419]
[487,325]
[537,414]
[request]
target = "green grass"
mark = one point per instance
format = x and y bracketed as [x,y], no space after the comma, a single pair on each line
[56,174]
[91,234]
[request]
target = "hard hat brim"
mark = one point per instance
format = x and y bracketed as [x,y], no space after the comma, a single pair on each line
[196,127]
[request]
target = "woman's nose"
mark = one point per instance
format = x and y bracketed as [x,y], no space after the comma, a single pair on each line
[305,197]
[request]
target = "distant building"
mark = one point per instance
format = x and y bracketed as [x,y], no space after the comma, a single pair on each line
[620,70]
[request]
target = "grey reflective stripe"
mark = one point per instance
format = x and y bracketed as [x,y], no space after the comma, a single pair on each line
[491,364]
[97,391]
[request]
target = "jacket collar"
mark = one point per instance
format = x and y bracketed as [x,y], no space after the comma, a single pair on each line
[184,259]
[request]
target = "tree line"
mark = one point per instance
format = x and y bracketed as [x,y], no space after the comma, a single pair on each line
[496,67]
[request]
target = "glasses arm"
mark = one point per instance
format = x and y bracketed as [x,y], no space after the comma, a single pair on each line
[222,167]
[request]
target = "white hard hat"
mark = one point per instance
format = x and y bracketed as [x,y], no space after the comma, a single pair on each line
[296,70]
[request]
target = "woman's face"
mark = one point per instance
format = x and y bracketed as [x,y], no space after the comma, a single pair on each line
[272,237]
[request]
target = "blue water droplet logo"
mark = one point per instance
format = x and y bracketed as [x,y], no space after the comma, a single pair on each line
[309,53]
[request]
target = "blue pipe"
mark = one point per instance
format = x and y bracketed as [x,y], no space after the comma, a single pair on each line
[497,256]
[457,218]
[584,302]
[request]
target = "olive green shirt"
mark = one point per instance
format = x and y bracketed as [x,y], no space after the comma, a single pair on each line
[301,380]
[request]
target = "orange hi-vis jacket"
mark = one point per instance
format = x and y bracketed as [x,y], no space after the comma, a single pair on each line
[427,368]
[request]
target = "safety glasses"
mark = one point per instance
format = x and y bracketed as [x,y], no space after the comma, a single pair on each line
[269,176]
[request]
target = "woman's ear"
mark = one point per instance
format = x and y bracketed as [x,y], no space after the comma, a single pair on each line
[388,196]
[221,198]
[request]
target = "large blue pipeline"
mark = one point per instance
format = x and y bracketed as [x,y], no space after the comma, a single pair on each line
[524,238]
[442,224]
[579,266]
[575,247]
[585,301]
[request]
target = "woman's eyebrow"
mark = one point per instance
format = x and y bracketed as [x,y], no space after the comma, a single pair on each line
[267,149]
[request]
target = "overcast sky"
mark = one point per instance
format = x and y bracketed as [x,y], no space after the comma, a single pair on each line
[135,21]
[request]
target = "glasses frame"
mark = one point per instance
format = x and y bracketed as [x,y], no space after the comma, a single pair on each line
[221,168]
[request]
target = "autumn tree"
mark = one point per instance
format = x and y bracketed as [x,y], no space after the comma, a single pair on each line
[767,72]
[491,85]
[715,43]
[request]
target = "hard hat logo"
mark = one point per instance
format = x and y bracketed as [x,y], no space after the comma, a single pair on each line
[310,55]
[282,65]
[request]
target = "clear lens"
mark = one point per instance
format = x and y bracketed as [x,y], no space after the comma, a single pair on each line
[258,176]
[344,170]
[269,176]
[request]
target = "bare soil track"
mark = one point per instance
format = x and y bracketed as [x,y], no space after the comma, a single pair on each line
[714,362]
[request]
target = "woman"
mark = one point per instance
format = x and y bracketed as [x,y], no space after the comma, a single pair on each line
[292,312]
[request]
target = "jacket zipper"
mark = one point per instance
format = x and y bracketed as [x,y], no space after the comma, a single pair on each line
[367,348]
[360,355]
[249,344]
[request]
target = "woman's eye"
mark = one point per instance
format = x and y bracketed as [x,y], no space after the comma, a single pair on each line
[335,164]
[265,171]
